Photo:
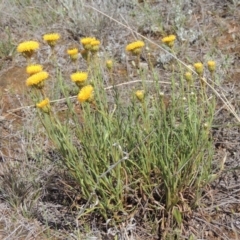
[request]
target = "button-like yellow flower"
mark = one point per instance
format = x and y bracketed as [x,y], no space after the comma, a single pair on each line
[28,48]
[35,68]
[198,68]
[95,44]
[37,79]
[86,94]
[79,78]
[44,105]
[140,95]
[109,64]
[86,42]
[188,77]
[135,47]
[169,40]
[73,53]
[51,38]
[211,66]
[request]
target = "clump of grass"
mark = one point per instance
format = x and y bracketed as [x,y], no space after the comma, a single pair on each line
[19,189]
[146,154]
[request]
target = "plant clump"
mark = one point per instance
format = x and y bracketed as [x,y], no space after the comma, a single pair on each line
[150,153]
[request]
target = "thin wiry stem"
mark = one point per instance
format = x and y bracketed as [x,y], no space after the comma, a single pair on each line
[10,112]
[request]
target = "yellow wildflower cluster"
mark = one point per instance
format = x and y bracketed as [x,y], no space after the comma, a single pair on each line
[73,53]
[135,47]
[188,77]
[91,46]
[79,78]
[44,105]
[198,68]
[86,94]
[37,79]
[35,68]
[51,38]
[28,48]
[87,40]
[109,64]
[90,43]
[211,66]
[95,45]
[169,40]
[140,95]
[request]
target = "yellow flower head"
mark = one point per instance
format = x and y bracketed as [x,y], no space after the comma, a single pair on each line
[95,44]
[27,48]
[51,38]
[211,66]
[37,79]
[109,64]
[205,126]
[86,94]
[32,69]
[79,78]
[86,42]
[135,47]
[198,68]
[188,77]
[140,95]
[169,40]
[44,105]
[73,53]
